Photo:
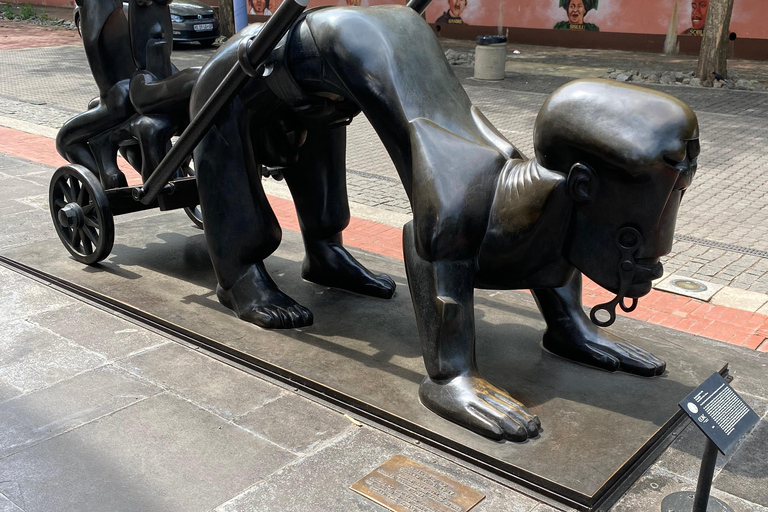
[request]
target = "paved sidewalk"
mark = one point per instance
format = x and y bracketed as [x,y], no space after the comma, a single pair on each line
[99,413]
[14,36]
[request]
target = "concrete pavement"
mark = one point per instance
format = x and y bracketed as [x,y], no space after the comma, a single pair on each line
[99,413]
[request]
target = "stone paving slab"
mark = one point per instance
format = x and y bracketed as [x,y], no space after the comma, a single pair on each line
[8,391]
[47,413]
[87,326]
[320,481]
[274,421]
[214,386]
[649,491]
[7,506]
[32,358]
[161,454]
[20,300]
[745,473]
[683,458]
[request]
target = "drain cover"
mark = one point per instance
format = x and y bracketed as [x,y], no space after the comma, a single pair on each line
[688,286]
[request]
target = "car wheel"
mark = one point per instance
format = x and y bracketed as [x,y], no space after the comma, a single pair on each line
[207,43]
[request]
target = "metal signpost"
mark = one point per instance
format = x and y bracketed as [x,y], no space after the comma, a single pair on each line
[724,418]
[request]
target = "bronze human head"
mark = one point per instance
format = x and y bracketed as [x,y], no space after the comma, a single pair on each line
[628,153]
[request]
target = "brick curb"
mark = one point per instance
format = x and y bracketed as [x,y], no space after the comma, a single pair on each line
[21,36]
[741,327]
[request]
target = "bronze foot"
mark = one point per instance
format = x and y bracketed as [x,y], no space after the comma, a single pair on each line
[602,350]
[474,403]
[329,264]
[256,298]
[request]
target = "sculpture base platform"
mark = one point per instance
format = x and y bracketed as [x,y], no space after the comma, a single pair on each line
[598,427]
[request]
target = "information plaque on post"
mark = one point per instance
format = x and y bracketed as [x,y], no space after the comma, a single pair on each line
[724,417]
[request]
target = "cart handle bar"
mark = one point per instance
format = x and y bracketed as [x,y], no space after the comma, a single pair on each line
[419,5]
[253,52]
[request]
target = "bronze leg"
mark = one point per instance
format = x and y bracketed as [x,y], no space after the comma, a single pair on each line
[318,185]
[240,227]
[443,297]
[572,335]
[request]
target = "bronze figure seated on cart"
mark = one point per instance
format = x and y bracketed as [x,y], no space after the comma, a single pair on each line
[601,196]
[143,99]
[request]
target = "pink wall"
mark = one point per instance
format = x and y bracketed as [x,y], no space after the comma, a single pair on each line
[622,16]
[626,16]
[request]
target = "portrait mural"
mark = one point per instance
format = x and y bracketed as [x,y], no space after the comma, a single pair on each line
[699,10]
[263,7]
[453,14]
[576,11]
[611,16]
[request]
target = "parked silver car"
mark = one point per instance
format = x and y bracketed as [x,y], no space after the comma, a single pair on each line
[192,21]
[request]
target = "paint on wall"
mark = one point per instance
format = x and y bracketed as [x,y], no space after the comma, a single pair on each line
[698,17]
[575,12]
[618,16]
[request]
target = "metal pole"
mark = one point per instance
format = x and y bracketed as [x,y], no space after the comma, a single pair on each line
[241,14]
[419,5]
[706,474]
[257,52]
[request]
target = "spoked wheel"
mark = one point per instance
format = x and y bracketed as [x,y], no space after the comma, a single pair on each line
[81,214]
[194,213]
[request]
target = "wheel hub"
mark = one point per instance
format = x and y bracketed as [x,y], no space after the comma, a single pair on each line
[71,216]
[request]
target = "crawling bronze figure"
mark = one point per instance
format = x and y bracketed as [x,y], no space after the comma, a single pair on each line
[600,197]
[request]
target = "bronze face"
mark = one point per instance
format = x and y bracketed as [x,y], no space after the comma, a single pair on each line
[641,146]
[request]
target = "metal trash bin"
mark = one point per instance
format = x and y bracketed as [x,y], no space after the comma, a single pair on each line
[490,57]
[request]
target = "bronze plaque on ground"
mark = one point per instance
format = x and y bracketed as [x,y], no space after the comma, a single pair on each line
[404,485]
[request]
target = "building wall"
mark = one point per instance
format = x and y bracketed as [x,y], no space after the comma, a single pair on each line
[621,24]
[620,16]
[615,16]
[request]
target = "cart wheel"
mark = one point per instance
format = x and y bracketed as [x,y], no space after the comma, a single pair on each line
[81,214]
[194,213]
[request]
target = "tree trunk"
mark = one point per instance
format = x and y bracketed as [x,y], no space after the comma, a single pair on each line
[226,18]
[670,43]
[714,42]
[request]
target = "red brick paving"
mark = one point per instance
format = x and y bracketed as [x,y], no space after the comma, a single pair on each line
[729,325]
[42,150]
[15,36]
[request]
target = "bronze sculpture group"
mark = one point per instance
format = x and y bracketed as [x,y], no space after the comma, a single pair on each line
[600,197]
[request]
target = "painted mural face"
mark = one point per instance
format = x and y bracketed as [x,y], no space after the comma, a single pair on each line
[456,7]
[453,15]
[699,13]
[576,12]
[257,6]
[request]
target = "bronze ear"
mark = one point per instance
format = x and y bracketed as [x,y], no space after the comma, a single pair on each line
[582,183]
